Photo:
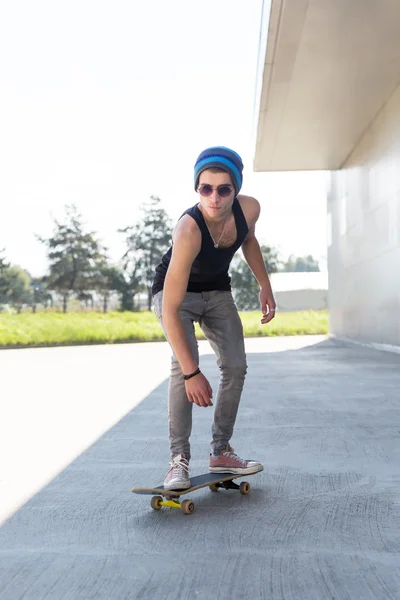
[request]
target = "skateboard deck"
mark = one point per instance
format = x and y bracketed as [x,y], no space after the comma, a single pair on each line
[214,481]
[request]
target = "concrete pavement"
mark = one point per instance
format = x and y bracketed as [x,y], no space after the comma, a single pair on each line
[81,426]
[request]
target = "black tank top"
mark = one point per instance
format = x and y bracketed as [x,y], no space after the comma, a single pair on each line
[210,267]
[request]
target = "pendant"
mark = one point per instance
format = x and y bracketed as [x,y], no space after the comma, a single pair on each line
[215,245]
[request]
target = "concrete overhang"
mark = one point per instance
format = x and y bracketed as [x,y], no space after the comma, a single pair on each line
[326,68]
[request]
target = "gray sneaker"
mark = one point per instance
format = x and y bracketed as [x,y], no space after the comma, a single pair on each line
[177,477]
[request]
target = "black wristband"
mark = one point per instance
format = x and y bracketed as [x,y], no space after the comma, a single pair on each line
[196,372]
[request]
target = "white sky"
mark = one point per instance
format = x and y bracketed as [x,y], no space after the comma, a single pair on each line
[103,103]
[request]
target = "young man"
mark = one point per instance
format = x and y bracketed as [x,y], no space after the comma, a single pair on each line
[192,284]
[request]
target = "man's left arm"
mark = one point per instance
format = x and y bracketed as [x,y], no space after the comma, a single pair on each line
[254,258]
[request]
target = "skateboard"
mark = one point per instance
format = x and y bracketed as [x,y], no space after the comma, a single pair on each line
[214,481]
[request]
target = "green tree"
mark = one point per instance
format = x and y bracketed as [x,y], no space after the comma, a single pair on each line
[40,293]
[129,286]
[3,281]
[3,264]
[16,290]
[112,279]
[245,288]
[146,243]
[300,264]
[74,256]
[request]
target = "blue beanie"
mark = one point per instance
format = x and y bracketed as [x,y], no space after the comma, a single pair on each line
[223,158]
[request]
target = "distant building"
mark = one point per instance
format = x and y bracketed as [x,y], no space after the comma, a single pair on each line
[300,291]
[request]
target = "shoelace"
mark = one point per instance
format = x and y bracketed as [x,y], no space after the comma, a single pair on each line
[231,454]
[180,466]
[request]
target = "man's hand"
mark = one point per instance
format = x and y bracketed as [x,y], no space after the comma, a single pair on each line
[199,391]
[268,305]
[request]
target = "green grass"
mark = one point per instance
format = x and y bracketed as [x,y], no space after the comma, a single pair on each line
[42,329]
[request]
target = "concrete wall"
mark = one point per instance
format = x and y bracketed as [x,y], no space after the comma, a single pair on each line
[364,235]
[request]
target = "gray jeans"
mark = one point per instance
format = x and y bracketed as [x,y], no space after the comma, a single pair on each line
[218,318]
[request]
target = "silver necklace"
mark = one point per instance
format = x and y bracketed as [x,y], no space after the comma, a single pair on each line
[216,244]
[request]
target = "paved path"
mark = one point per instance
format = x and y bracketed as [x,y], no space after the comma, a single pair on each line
[80,426]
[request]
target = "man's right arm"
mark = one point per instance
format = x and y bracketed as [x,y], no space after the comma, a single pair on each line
[186,246]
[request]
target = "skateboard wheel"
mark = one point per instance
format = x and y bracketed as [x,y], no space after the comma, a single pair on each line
[214,487]
[155,502]
[187,507]
[244,488]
